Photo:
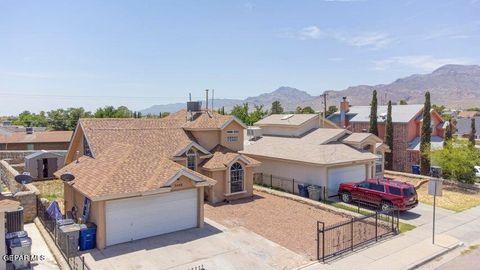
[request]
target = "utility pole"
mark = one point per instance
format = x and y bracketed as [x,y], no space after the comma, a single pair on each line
[324,95]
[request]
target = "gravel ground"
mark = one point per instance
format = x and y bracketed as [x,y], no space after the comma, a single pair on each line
[289,223]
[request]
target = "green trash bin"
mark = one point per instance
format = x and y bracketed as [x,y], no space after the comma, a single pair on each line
[314,192]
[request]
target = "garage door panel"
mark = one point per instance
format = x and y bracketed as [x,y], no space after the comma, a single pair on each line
[336,176]
[141,217]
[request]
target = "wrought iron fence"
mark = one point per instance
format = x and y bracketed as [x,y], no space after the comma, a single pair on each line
[285,184]
[67,245]
[336,239]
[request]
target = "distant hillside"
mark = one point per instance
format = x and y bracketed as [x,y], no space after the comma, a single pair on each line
[456,86]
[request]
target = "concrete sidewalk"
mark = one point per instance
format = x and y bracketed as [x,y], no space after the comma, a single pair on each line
[414,248]
[39,247]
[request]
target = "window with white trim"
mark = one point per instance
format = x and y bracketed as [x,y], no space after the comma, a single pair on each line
[236,178]
[192,160]
[232,139]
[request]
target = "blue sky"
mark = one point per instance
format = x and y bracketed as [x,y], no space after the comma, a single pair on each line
[139,53]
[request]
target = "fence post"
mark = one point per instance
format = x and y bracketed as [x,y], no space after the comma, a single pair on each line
[271,180]
[318,240]
[376,226]
[323,241]
[351,232]
[293,186]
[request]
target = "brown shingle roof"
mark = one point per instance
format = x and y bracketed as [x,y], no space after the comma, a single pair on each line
[36,137]
[222,156]
[124,170]
[202,120]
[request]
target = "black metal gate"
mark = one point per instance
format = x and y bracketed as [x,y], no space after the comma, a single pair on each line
[339,238]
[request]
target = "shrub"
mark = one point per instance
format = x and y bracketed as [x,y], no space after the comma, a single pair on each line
[457,160]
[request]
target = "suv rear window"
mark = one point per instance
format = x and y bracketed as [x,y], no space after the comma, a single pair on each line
[377,187]
[409,192]
[395,191]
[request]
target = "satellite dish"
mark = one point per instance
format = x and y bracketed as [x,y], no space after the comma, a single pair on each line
[24,178]
[67,177]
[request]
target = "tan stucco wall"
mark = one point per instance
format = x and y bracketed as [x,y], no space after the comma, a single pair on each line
[300,172]
[235,146]
[207,138]
[2,240]
[219,192]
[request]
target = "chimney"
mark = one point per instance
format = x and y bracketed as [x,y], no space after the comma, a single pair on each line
[29,130]
[344,108]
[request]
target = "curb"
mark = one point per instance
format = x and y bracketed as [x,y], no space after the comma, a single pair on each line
[61,262]
[434,256]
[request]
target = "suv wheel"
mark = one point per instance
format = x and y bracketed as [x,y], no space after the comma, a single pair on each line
[346,197]
[386,206]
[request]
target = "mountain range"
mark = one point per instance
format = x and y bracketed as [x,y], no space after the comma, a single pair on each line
[455,86]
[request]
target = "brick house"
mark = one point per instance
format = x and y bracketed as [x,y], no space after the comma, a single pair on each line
[407,124]
[35,140]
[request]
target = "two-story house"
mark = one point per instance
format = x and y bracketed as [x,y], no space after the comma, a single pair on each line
[407,125]
[136,178]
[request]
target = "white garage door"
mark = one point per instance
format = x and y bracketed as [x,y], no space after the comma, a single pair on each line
[336,176]
[141,217]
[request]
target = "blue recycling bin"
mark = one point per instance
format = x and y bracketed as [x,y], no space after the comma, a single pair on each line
[88,234]
[303,190]
[415,169]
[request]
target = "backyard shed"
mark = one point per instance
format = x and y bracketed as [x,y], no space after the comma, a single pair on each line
[42,164]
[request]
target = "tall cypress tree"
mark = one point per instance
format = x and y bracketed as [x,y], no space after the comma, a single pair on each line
[448,133]
[389,137]
[473,130]
[373,114]
[426,137]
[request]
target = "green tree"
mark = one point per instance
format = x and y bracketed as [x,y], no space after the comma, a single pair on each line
[308,110]
[241,112]
[27,118]
[389,137]
[373,114]
[473,131]
[257,114]
[448,134]
[403,102]
[276,107]
[438,108]
[298,110]
[331,110]
[425,137]
[112,112]
[457,161]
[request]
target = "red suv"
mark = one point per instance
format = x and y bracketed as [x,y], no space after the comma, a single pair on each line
[383,193]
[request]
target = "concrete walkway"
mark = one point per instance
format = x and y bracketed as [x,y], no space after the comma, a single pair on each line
[414,248]
[39,247]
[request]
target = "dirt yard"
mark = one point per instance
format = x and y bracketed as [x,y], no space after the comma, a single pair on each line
[453,197]
[52,190]
[287,222]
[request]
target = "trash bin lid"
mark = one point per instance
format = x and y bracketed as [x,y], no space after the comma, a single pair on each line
[17,234]
[21,242]
[70,228]
[63,222]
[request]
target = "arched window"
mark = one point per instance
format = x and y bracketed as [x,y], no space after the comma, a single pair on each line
[236,178]
[192,160]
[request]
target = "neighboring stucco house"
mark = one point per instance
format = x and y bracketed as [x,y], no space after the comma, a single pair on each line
[35,140]
[407,125]
[146,177]
[320,156]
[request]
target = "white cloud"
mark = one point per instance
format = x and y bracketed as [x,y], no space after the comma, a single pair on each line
[448,32]
[421,62]
[375,40]
[309,32]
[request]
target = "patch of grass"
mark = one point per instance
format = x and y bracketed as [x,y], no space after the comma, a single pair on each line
[470,249]
[453,198]
[50,189]
[404,227]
